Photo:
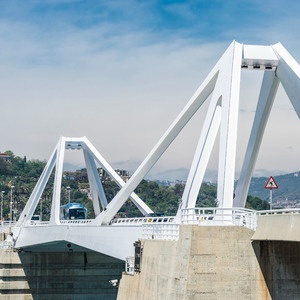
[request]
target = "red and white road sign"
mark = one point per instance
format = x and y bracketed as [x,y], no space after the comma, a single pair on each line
[271,184]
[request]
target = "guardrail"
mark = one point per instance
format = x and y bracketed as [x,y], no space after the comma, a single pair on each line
[63,222]
[6,239]
[279,211]
[6,225]
[129,265]
[160,231]
[141,221]
[76,221]
[214,216]
[167,227]
[202,216]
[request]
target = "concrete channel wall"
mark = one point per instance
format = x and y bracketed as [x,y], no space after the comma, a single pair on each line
[278,227]
[63,275]
[207,262]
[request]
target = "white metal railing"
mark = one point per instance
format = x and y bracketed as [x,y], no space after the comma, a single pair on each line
[215,216]
[141,221]
[37,223]
[63,222]
[76,221]
[6,225]
[160,231]
[8,243]
[129,265]
[279,211]
[200,216]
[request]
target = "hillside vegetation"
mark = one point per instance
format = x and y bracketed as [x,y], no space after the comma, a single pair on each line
[19,176]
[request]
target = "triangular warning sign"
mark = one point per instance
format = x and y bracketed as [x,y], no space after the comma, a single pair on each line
[271,184]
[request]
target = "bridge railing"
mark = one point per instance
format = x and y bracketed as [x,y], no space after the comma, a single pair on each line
[63,222]
[6,240]
[6,225]
[159,228]
[160,231]
[76,221]
[140,221]
[279,211]
[202,216]
[129,265]
[215,216]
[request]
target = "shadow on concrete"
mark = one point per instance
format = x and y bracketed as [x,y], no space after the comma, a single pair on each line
[71,275]
[280,264]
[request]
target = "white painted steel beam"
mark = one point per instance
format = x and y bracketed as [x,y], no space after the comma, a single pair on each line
[229,124]
[35,196]
[96,188]
[55,207]
[185,115]
[266,98]
[288,72]
[139,203]
[202,154]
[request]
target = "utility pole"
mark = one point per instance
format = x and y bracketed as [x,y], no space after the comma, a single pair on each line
[2,193]
[69,193]
[11,204]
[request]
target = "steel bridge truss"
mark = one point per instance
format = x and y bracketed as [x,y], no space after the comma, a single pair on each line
[91,157]
[222,88]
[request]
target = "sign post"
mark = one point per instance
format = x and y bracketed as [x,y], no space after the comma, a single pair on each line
[270,185]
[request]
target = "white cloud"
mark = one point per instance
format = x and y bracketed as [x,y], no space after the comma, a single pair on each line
[121,87]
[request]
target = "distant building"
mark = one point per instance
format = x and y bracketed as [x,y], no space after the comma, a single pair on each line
[69,175]
[82,176]
[104,176]
[4,156]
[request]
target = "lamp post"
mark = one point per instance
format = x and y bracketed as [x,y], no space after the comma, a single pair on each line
[2,193]
[69,192]
[41,209]
[11,204]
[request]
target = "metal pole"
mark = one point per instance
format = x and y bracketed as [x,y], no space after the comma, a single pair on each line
[69,192]
[41,209]
[2,192]
[11,203]
[271,199]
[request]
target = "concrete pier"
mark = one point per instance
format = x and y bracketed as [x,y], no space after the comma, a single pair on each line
[207,262]
[58,275]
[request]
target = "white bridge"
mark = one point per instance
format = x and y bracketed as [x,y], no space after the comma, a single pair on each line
[115,237]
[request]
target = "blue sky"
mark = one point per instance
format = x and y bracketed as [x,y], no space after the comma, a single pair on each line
[119,72]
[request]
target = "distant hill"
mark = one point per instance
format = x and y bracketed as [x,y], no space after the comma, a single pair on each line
[288,188]
[19,175]
[287,195]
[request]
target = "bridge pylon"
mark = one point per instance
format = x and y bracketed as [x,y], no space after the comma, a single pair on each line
[222,88]
[91,158]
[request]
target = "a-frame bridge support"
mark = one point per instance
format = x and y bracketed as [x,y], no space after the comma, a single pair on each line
[91,157]
[222,88]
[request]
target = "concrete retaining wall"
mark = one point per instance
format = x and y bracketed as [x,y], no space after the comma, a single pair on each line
[205,263]
[280,265]
[68,275]
[278,227]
